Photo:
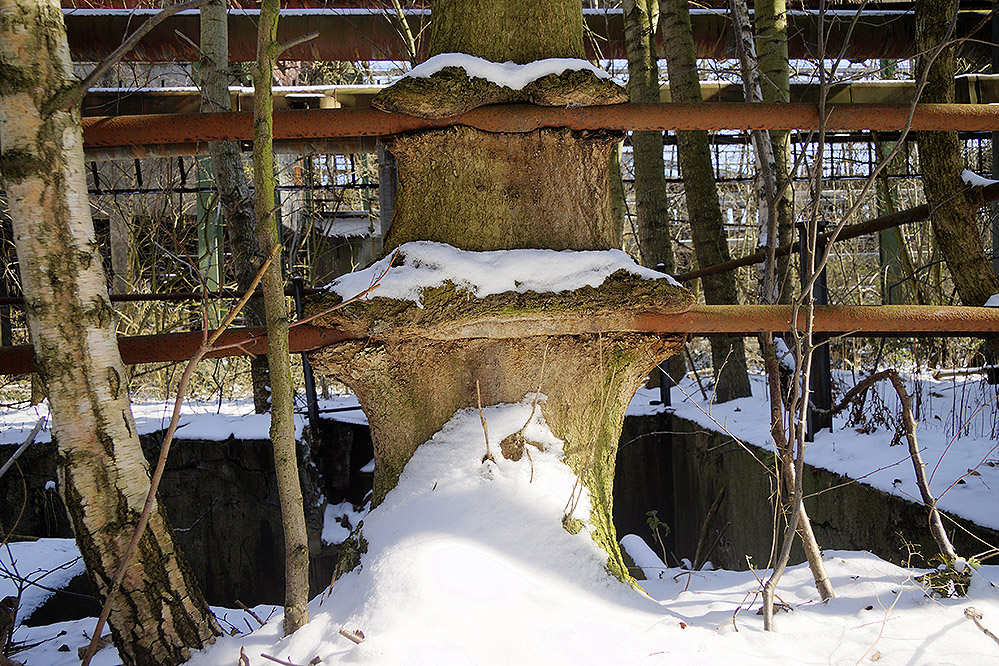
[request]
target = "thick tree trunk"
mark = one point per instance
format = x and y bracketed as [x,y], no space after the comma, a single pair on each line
[282,432]
[941,162]
[233,189]
[508,31]
[158,614]
[706,225]
[483,191]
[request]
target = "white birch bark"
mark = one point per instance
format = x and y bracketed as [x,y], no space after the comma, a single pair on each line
[159,614]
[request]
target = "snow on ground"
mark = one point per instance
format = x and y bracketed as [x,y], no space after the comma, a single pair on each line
[428,264]
[209,420]
[958,436]
[51,563]
[467,563]
[508,74]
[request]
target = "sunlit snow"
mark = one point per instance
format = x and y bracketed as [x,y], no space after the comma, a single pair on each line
[428,265]
[508,74]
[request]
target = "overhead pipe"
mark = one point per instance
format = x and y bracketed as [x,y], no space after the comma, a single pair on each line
[310,124]
[359,35]
[831,320]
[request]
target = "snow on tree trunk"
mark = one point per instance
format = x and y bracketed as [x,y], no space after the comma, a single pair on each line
[158,614]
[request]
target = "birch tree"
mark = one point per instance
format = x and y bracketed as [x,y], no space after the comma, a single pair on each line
[159,614]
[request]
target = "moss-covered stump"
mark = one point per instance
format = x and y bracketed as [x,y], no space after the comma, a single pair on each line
[451,91]
[481,191]
[419,365]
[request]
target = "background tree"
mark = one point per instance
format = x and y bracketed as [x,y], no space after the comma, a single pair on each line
[941,161]
[230,179]
[707,228]
[775,86]
[282,431]
[655,246]
[158,613]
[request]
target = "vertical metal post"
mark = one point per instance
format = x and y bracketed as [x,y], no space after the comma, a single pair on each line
[310,383]
[820,380]
[995,146]
[665,380]
[387,176]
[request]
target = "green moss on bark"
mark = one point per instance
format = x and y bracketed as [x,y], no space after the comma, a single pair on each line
[451,91]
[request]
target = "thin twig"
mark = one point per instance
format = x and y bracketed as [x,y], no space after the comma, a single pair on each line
[976,616]
[27,442]
[485,430]
[356,636]
[291,43]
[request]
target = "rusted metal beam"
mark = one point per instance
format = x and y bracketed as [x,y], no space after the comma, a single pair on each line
[327,123]
[370,35]
[978,194]
[178,347]
[849,320]
[126,101]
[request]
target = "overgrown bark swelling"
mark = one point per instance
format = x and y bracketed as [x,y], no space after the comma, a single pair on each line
[158,615]
[941,162]
[589,381]
[706,223]
[282,431]
[482,191]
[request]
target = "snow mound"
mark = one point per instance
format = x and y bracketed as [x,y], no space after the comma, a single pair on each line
[427,265]
[464,551]
[508,74]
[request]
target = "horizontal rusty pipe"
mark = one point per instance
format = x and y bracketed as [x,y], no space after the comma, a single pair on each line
[178,347]
[850,320]
[372,35]
[327,123]
[977,194]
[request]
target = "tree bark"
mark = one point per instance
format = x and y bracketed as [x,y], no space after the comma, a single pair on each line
[651,201]
[233,189]
[771,51]
[486,191]
[508,31]
[706,224]
[282,431]
[941,162]
[158,614]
